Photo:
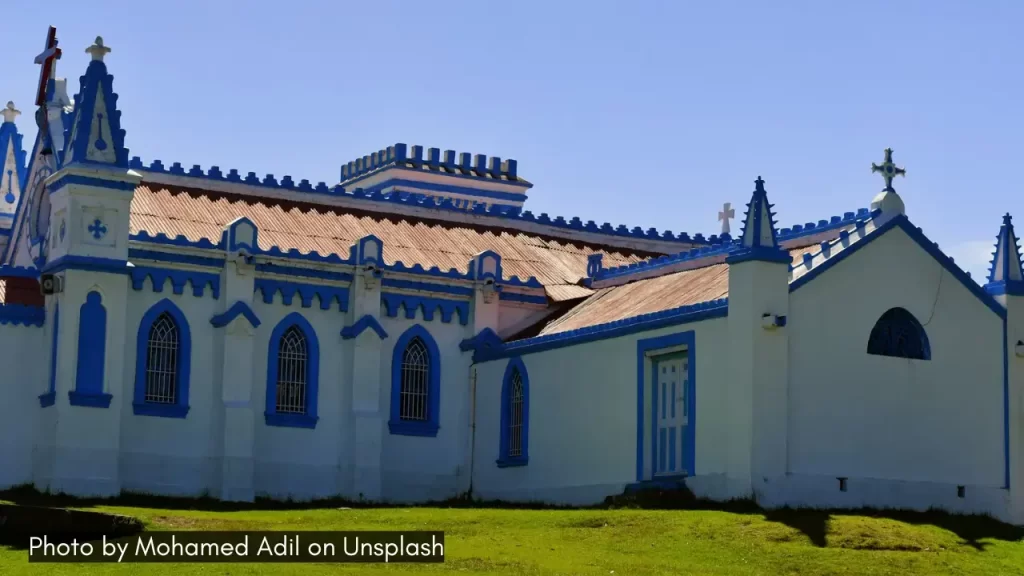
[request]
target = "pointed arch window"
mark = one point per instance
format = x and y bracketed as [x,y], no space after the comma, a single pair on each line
[293,369]
[163,362]
[515,415]
[898,334]
[415,384]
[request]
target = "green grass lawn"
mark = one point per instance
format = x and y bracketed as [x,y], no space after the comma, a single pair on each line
[622,541]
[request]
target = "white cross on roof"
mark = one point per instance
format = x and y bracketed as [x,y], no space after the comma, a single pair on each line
[724,216]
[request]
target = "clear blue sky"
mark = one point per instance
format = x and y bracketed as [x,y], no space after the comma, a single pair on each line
[639,113]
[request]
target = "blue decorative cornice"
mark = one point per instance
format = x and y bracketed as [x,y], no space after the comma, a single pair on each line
[288,290]
[22,315]
[392,301]
[8,271]
[178,278]
[367,322]
[237,309]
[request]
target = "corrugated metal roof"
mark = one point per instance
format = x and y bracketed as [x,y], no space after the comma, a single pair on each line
[197,215]
[651,295]
[563,292]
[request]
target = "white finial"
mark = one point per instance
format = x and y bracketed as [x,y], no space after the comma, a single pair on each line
[10,113]
[98,50]
[724,216]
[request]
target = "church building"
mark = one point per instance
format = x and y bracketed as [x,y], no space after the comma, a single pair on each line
[414,332]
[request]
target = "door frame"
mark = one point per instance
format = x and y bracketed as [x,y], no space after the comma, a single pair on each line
[647,350]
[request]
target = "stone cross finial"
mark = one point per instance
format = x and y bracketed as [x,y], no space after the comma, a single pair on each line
[98,50]
[725,215]
[9,113]
[888,170]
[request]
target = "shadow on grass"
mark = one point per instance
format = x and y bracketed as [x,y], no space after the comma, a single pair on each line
[971,529]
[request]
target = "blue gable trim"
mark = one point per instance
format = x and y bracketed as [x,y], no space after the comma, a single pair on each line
[687,339]
[92,349]
[642,323]
[50,397]
[429,426]
[309,419]
[306,292]
[367,322]
[237,309]
[7,271]
[159,256]
[504,459]
[178,278]
[930,247]
[393,301]
[20,314]
[184,363]
[486,339]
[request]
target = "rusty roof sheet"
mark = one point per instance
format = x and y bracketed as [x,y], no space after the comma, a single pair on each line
[327,230]
[651,295]
[563,292]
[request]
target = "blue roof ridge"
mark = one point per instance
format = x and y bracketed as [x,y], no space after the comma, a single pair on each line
[504,212]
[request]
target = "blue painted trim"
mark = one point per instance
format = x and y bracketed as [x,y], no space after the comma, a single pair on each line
[524,298]
[429,426]
[51,390]
[426,286]
[447,188]
[159,256]
[8,271]
[486,339]
[504,460]
[67,179]
[367,322]
[759,254]
[184,363]
[237,309]
[8,134]
[1008,288]
[48,399]
[326,294]
[682,315]
[1006,406]
[178,278]
[89,263]
[644,346]
[597,273]
[95,79]
[309,419]
[19,212]
[20,314]
[271,268]
[5,231]
[359,170]
[930,247]
[428,305]
[179,240]
[92,347]
[76,398]
[231,234]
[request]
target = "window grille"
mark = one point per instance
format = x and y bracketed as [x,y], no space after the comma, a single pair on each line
[515,432]
[162,361]
[415,381]
[292,372]
[898,334]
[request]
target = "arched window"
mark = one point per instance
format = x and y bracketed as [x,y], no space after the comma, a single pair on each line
[50,396]
[293,368]
[898,334]
[163,362]
[515,411]
[415,384]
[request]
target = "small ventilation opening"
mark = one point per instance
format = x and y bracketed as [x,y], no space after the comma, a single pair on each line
[960,491]
[842,484]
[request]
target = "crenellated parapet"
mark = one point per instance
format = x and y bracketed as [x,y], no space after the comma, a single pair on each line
[432,159]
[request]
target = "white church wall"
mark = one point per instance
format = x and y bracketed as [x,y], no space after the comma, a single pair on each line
[583,419]
[172,456]
[26,376]
[303,463]
[418,468]
[905,432]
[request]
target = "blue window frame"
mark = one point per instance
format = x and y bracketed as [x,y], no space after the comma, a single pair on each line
[163,361]
[415,384]
[293,372]
[898,334]
[515,415]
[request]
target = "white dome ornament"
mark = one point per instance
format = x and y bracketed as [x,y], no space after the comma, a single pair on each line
[888,201]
